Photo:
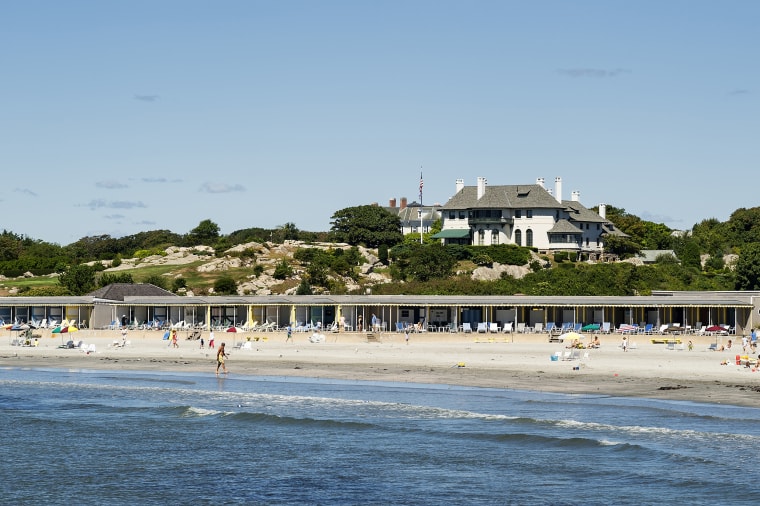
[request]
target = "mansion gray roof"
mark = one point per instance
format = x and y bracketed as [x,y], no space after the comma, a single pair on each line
[503,197]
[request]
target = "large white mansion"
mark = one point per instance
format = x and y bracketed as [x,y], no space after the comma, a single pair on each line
[525,215]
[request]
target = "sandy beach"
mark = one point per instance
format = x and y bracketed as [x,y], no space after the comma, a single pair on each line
[518,361]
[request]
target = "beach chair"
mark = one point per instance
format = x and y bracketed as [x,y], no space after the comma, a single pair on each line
[507,328]
[538,328]
[493,327]
[605,328]
[482,328]
[466,327]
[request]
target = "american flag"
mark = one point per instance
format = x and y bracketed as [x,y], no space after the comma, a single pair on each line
[421,185]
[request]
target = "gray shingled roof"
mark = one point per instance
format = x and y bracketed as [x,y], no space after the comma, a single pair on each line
[578,212]
[118,291]
[564,227]
[504,197]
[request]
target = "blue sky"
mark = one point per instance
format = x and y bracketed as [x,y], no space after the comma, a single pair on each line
[127,116]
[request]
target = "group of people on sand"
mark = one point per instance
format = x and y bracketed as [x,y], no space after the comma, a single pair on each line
[576,343]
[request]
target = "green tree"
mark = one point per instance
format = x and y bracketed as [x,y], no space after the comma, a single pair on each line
[367,225]
[426,262]
[382,254]
[157,280]
[289,232]
[207,233]
[225,285]
[178,284]
[78,279]
[304,288]
[748,268]
[282,270]
[687,250]
[108,278]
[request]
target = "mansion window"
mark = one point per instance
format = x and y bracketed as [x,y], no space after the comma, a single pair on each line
[529,238]
[481,237]
[529,213]
[494,237]
[518,213]
[518,237]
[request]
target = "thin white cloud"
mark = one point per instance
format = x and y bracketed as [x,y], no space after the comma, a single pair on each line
[114,217]
[146,98]
[591,72]
[159,180]
[145,222]
[210,187]
[25,191]
[116,204]
[738,92]
[110,185]
[658,218]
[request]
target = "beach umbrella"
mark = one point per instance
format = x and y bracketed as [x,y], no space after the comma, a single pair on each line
[590,327]
[63,329]
[234,329]
[570,336]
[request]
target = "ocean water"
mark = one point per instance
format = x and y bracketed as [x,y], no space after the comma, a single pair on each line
[125,437]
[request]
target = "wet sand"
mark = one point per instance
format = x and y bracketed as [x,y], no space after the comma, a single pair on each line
[517,361]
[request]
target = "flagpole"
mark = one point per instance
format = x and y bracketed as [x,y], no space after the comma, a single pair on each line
[421,205]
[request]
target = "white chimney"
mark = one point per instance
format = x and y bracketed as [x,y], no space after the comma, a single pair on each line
[558,189]
[460,186]
[550,192]
[540,182]
[576,196]
[482,182]
[603,211]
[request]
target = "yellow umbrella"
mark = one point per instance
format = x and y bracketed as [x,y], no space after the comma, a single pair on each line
[570,336]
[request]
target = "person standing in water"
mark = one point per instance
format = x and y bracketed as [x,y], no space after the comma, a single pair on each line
[220,356]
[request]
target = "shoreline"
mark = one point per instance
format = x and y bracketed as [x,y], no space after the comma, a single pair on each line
[518,361]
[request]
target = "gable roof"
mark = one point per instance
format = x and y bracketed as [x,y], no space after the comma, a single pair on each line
[118,291]
[579,212]
[564,227]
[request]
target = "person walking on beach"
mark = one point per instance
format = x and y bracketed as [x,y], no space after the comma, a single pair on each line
[201,343]
[175,344]
[624,345]
[406,335]
[359,323]
[211,340]
[290,334]
[220,356]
